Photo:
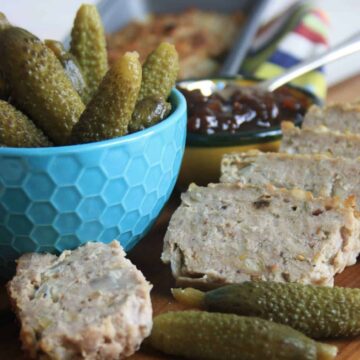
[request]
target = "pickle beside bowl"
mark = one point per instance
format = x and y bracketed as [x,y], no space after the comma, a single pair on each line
[203,153]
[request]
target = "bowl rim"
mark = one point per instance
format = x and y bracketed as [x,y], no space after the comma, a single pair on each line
[245,137]
[179,108]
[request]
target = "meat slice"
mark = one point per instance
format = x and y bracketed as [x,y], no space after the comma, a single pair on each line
[321,174]
[90,303]
[343,117]
[319,140]
[230,233]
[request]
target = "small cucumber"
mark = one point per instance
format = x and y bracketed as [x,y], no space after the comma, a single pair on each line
[38,84]
[203,335]
[17,130]
[160,71]
[109,112]
[88,45]
[317,311]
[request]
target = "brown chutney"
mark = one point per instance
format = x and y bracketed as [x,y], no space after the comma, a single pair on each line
[236,109]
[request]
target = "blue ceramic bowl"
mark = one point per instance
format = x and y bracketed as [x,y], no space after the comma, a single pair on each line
[52,199]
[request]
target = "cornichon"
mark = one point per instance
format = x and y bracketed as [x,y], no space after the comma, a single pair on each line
[319,312]
[17,130]
[109,111]
[4,22]
[203,335]
[4,91]
[148,112]
[38,84]
[88,45]
[70,65]
[160,71]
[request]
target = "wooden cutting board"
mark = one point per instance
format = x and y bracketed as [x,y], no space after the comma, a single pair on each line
[146,256]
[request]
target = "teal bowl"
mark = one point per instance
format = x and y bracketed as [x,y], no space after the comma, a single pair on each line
[58,198]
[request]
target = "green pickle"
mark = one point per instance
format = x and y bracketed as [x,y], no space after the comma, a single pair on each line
[17,130]
[88,45]
[318,312]
[4,22]
[109,111]
[160,72]
[148,112]
[38,84]
[70,65]
[203,335]
[4,90]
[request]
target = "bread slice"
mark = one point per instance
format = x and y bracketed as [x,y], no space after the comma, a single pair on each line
[230,233]
[344,117]
[319,140]
[321,174]
[90,303]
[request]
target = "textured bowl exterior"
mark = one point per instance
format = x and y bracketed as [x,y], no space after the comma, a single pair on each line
[52,199]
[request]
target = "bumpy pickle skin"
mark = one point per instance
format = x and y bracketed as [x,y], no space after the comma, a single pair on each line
[4,22]
[148,112]
[17,130]
[70,65]
[108,114]
[190,297]
[318,312]
[4,90]
[160,72]
[203,335]
[38,84]
[88,45]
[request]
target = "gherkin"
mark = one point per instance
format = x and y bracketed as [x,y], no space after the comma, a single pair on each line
[70,65]
[17,130]
[203,335]
[38,84]
[88,45]
[109,111]
[148,112]
[160,71]
[4,90]
[4,22]
[318,312]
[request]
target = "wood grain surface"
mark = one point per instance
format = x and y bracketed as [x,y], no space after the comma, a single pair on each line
[146,256]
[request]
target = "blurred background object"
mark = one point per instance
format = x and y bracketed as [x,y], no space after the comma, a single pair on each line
[53,19]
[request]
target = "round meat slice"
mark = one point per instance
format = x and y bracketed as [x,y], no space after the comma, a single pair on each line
[90,303]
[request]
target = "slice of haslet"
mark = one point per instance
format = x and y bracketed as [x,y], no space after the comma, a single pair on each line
[230,233]
[90,303]
[318,140]
[343,117]
[321,174]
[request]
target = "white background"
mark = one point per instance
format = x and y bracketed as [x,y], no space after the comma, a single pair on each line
[53,19]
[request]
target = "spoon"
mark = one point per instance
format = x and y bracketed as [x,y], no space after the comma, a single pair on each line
[344,48]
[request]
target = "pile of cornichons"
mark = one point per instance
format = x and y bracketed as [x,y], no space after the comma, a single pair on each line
[50,96]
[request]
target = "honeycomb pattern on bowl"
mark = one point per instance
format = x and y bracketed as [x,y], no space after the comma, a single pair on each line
[52,201]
